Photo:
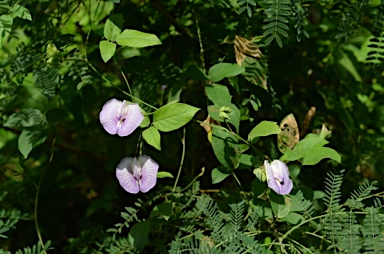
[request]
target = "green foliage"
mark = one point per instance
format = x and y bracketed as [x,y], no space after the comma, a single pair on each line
[173,116]
[8,220]
[223,70]
[211,195]
[376,53]
[245,5]
[222,232]
[311,151]
[264,128]
[277,13]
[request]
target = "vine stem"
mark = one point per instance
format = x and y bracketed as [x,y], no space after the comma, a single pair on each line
[95,70]
[110,83]
[182,160]
[124,77]
[200,42]
[194,179]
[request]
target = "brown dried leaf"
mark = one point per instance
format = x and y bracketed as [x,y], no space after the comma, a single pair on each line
[243,48]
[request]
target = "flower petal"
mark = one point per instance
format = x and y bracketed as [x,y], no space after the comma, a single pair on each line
[132,120]
[271,181]
[109,115]
[148,173]
[124,175]
[286,187]
[278,177]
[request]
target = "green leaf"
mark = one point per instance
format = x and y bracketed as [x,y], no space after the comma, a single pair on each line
[223,70]
[4,229]
[293,218]
[107,50]
[233,114]
[146,121]
[227,148]
[319,153]
[137,39]
[25,118]
[164,174]
[218,176]
[46,79]
[218,94]
[291,155]
[249,162]
[164,210]
[308,143]
[6,22]
[152,137]
[4,8]
[55,115]
[281,206]
[21,12]
[30,139]
[113,27]
[311,150]
[173,116]
[264,128]
[138,235]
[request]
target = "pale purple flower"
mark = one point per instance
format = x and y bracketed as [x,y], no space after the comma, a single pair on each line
[137,174]
[278,177]
[120,117]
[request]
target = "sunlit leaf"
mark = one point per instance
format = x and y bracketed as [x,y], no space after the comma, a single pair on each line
[137,39]
[173,116]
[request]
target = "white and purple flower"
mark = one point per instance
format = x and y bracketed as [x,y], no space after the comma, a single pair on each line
[137,174]
[120,117]
[278,177]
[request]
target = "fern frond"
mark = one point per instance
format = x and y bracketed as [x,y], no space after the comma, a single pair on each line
[350,240]
[35,249]
[333,190]
[129,216]
[186,245]
[299,15]
[237,216]
[46,80]
[355,200]
[277,17]
[377,203]
[214,217]
[253,219]
[334,223]
[8,219]
[351,19]
[245,5]
[371,227]
[122,245]
[376,53]
[300,204]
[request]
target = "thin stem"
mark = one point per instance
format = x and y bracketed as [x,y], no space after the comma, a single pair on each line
[194,179]
[238,182]
[182,160]
[121,90]
[302,246]
[200,42]
[124,77]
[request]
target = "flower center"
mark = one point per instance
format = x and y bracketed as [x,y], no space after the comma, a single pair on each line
[122,114]
[279,180]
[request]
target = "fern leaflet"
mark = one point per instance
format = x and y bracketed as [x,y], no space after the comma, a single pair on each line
[277,17]
[376,53]
[373,240]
